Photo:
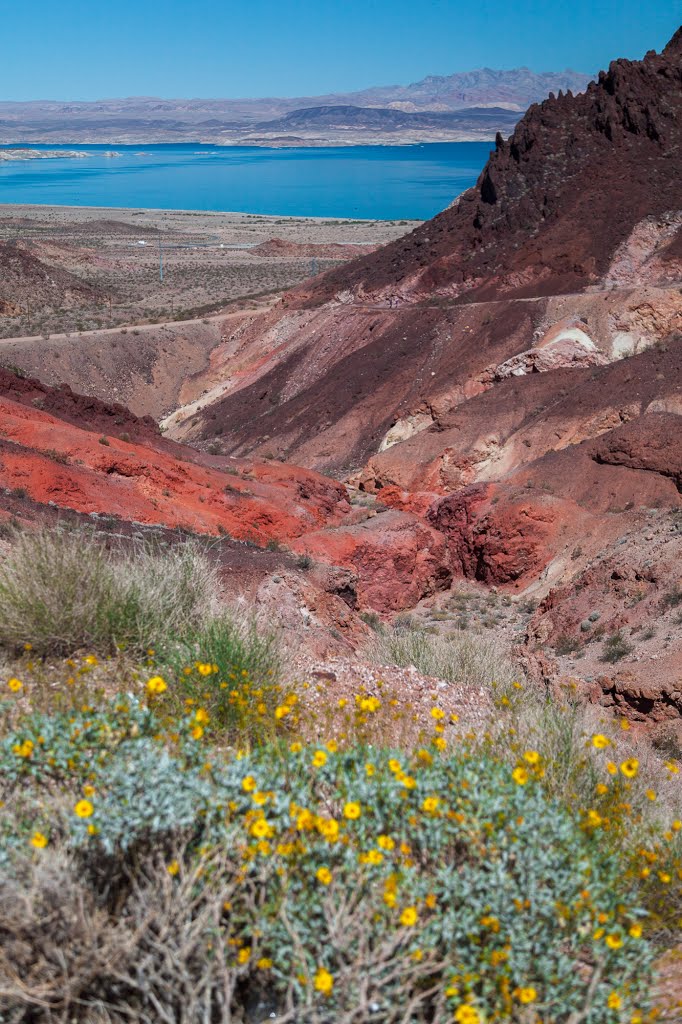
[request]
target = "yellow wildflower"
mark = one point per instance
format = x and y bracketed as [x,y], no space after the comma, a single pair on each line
[531,757]
[324,982]
[84,809]
[409,917]
[600,741]
[329,828]
[630,767]
[372,857]
[527,994]
[319,759]
[14,684]
[520,776]
[466,1014]
[323,875]
[352,810]
[614,1002]
[173,868]
[156,685]
[249,784]
[430,804]
[39,840]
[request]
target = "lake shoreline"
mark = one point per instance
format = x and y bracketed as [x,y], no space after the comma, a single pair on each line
[70,213]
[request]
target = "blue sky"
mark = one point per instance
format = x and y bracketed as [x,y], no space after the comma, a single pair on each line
[71,49]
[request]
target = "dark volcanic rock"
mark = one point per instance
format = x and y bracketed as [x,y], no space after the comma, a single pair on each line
[556,199]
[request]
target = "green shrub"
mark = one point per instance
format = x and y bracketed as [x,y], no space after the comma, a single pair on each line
[64,592]
[615,648]
[672,598]
[231,666]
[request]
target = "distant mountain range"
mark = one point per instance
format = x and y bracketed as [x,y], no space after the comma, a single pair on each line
[465,106]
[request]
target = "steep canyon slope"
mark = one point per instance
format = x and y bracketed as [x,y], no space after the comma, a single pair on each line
[507,379]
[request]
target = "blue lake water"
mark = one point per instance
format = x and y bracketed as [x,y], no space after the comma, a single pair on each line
[388,182]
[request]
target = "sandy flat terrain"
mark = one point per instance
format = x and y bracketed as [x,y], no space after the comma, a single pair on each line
[84,268]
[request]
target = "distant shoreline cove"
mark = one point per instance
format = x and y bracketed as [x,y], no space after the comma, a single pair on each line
[39,150]
[366,182]
[14,154]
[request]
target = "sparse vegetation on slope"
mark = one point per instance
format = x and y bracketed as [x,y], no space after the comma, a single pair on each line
[466,657]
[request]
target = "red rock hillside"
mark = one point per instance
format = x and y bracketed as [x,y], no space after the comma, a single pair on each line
[507,381]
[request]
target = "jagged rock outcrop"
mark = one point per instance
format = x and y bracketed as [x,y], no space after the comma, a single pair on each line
[556,200]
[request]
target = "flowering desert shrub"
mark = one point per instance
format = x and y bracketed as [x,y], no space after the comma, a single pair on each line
[321,882]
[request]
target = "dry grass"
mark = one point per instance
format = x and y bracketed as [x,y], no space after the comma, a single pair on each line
[67,956]
[65,591]
[467,658]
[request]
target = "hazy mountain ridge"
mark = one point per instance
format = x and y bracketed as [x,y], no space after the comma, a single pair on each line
[495,95]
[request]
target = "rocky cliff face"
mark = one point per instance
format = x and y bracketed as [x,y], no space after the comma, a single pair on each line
[555,200]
